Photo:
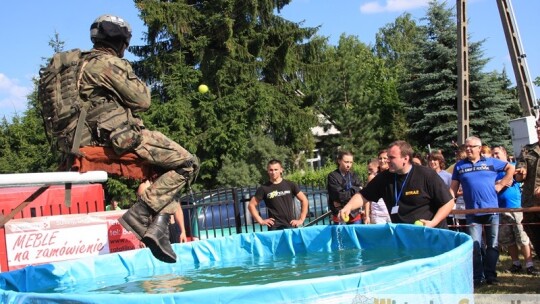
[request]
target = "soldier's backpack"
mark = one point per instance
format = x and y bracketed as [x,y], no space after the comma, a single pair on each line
[62,109]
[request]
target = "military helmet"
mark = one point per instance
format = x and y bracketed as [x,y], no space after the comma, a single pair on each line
[110,28]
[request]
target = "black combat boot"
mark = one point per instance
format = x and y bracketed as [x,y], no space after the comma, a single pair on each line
[157,239]
[137,218]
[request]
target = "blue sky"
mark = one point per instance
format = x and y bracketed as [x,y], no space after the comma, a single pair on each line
[28,25]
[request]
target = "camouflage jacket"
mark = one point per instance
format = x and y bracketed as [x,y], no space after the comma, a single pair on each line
[530,159]
[113,94]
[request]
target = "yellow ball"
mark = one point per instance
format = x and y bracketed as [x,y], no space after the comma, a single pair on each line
[345,218]
[419,223]
[203,88]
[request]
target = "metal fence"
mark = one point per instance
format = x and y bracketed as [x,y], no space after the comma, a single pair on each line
[222,212]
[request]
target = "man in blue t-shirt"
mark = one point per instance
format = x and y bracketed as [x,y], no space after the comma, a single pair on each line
[511,233]
[476,175]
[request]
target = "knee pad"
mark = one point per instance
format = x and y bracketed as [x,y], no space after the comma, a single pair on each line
[189,169]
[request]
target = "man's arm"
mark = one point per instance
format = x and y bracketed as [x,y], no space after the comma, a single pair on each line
[441,214]
[357,201]
[367,213]
[179,220]
[252,207]
[507,180]
[357,183]
[520,174]
[454,187]
[334,186]
[303,209]
[117,75]
[134,92]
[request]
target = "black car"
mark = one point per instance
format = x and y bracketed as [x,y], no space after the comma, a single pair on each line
[219,208]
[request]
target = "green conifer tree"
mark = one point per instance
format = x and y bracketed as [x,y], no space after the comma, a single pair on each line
[431,89]
[250,59]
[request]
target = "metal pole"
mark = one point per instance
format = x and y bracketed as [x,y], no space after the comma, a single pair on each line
[463,72]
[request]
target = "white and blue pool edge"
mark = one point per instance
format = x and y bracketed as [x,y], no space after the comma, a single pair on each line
[448,272]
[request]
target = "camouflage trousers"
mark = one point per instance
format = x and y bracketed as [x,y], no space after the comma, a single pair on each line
[160,151]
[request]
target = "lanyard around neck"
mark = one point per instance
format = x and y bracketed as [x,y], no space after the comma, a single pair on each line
[396,195]
[347,178]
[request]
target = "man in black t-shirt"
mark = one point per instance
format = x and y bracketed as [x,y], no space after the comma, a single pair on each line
[411,192]
[278,195]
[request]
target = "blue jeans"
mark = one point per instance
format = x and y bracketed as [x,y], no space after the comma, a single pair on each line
[485,253]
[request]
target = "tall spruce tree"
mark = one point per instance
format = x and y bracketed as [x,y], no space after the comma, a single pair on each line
[430,91]
[492,104]
[250,59]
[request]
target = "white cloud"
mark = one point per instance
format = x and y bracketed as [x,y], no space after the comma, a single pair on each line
[12,97]
[392,6]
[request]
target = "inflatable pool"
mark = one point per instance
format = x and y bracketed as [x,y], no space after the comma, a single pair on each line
[320,264]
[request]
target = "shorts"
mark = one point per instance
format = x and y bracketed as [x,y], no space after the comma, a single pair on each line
[511,231]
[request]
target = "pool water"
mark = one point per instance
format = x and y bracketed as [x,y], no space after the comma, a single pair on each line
[246,271]
[319,264]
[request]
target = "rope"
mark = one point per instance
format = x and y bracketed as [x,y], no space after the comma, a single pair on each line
[495,210]
[486,225]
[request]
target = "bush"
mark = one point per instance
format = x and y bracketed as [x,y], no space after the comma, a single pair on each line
[319,176]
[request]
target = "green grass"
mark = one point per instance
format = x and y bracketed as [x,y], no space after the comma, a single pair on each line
[510,283]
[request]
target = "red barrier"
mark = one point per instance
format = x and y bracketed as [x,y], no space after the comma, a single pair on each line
[84,198]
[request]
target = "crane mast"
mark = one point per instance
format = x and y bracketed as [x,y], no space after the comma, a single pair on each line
[525,88]
[524,85]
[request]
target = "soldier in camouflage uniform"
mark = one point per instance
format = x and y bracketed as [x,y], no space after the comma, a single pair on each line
[114,95]
[528,172]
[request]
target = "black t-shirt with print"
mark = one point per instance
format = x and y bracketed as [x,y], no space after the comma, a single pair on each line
[423,194]
[279,200]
